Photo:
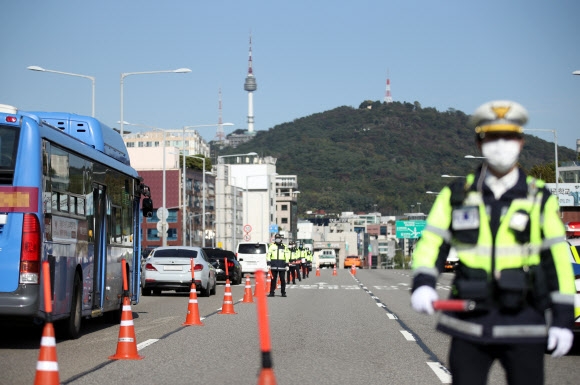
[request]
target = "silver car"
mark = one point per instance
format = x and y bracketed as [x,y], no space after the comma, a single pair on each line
[169,268]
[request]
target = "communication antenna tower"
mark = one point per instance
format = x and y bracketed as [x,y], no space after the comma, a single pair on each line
[388,97]
[250,86]
[220,135]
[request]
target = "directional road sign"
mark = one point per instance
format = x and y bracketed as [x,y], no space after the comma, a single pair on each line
[410,229]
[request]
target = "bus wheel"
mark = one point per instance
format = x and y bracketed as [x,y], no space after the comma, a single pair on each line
[72,325]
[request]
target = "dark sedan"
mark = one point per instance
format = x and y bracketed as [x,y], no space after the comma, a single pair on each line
[216,257]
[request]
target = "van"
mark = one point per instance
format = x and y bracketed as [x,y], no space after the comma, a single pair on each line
[252,256]
[327,258]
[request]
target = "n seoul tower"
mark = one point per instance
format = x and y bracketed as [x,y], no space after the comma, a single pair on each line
[250,86]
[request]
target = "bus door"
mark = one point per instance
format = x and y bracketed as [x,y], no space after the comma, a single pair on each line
[135,281]
[100,246]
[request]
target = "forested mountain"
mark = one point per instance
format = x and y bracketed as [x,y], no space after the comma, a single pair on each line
[378,156]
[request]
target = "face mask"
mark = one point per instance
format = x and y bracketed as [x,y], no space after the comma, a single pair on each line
[277,240]
[501,155]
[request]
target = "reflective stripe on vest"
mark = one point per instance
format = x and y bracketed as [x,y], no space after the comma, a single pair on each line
[498,331]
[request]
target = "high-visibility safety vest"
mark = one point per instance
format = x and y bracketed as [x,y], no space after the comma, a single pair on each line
[513,260]
[278,253]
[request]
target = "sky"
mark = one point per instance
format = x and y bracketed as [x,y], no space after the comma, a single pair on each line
[309,56]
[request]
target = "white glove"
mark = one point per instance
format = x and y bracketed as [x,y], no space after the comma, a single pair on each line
[286,268]
[422,299]
[560,340]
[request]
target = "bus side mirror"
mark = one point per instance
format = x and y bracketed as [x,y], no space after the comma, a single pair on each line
[147,207]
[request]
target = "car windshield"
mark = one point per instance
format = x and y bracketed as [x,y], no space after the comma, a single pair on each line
[174,253]
[252,248]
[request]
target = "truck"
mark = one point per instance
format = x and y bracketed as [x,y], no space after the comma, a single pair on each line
[326,258]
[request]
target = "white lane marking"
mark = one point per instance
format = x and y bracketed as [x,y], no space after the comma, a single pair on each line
[408,336]
[146,343]
[441,372]
[381,304]
[391,316]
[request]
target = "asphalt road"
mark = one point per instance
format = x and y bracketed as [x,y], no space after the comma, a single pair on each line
[340,329]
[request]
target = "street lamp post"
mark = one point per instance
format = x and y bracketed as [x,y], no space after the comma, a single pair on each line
[164,220]
[555,153]
[452,176]
[91,78]
[203,195]
[203,175]
[125,74]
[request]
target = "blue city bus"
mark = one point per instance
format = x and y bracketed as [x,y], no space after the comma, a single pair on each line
[69,196]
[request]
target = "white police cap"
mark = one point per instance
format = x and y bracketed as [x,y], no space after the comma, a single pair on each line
[499,116]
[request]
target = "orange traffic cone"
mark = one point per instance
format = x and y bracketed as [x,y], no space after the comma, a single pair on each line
[126,345]
[268,282]
[192,309]
[267,377]
[228,304]
[248,291]
[353,270]
[317,271]
[334,271]
[47,365]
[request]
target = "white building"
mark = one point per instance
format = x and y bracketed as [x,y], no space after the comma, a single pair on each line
[188,141]
[245,199]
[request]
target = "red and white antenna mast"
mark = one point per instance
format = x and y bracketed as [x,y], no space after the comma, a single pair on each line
[220,136]
[388,97]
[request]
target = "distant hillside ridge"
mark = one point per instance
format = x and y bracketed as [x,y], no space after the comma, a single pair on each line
[379,156]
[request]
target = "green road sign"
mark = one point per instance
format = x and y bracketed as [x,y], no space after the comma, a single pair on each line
[410,229]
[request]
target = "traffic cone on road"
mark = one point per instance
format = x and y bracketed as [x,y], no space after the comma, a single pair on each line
[317,271]
[228,304]
[248,291]
[126,345]
[353,270]
[47,365]
[192,309]
[268,282]
[334,271]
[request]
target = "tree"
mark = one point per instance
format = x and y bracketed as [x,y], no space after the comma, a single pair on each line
[545,172]
[196,163]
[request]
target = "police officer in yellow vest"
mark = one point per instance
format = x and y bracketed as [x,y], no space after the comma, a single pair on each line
[294,264]
[306,260]
[303,260]
[513,260]
[277,259]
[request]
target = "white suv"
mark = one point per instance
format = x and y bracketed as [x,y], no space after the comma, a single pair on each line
[252,256]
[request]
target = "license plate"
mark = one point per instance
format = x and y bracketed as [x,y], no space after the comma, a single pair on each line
[172,268]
